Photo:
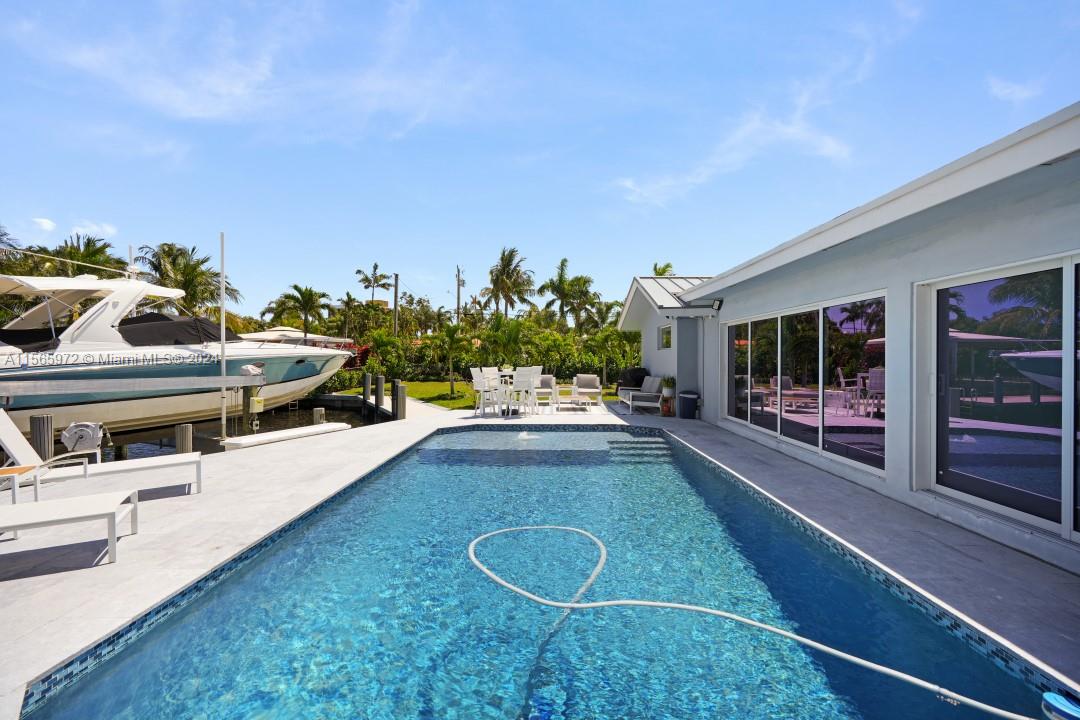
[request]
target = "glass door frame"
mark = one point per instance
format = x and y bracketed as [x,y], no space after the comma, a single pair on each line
[1067,264]
[778,315]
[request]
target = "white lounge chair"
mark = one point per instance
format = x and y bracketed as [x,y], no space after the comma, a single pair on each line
[21,453]
[110,507]
[588,388]
[648,395]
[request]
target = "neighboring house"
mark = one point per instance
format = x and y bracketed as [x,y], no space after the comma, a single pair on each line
[923,345]
[653,308]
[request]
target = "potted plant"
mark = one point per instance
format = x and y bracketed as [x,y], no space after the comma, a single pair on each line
[667,395]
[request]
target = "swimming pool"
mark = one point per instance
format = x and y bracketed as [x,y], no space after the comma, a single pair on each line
[371,608]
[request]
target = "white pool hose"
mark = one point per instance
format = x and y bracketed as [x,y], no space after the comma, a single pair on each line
[575,604]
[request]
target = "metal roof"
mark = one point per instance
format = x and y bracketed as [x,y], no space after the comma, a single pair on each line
[663,290]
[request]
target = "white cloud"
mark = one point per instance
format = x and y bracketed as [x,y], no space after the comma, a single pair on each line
[1015,93]
[45,224]
[89,227]
[759,131]
[252,68]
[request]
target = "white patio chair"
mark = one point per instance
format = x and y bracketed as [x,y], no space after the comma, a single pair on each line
[875,391]
[547,392]
[488,392]
[521,394]
[588,387]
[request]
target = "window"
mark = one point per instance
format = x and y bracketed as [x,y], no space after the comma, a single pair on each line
[738,371]
[999,391]
[788,393]
[853,407]
[799,347]
[663,340]
[763,360]
[1076,407]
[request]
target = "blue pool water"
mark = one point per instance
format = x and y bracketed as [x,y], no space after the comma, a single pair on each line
[372,609]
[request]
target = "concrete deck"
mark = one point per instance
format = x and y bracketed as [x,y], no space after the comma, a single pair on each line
[56,602]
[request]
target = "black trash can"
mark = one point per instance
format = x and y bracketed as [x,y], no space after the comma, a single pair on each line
[688,402]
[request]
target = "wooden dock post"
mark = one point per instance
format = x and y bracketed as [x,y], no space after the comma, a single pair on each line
[399,399]
[380,391]
[318,416]
[248,393]
[183,438]
[41,435]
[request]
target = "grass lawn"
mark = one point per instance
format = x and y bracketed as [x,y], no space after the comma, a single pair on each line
[438,393]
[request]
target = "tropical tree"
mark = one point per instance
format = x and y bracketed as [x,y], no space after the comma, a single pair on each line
[76,253]
[601,314]
[374,280]
[662,270]
[1037,298]
[346,310]
[7,240]
[181,267]
[306,302]
[510,282]
[558,286]
[581,297]
[454,341]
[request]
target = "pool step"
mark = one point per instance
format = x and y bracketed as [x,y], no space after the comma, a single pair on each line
[643,451]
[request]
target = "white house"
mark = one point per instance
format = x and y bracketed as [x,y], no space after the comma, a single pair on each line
[924,344]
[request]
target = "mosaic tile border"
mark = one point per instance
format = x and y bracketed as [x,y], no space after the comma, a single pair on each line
[957,625]
[60,677]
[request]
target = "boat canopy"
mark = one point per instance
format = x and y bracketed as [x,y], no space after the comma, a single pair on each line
[85,285]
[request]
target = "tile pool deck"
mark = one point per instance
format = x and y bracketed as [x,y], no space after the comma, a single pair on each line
[55,603]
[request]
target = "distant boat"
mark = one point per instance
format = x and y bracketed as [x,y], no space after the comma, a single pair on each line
[152,352]
[1042,366]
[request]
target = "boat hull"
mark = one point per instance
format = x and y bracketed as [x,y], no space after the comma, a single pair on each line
[289,375]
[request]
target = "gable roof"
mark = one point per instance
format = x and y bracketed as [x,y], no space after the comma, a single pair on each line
[660,291]
[1044,142]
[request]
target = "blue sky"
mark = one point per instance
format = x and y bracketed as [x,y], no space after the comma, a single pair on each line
[324,136]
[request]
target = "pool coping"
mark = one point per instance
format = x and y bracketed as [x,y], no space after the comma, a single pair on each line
[1003,653]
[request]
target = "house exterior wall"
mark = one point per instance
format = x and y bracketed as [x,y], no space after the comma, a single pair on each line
[688,355]
[1030,216]
[660,362]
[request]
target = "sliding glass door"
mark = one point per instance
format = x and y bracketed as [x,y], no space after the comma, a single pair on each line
[775,379]
[853,412]
[764,399]
[999,391]
[738,384]
[799,391]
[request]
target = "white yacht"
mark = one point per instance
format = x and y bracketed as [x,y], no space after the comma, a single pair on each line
[109,358]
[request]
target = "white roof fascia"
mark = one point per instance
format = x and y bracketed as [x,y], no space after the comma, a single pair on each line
[1044,141]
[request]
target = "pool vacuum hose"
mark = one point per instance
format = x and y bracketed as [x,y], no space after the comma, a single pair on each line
[1055,706]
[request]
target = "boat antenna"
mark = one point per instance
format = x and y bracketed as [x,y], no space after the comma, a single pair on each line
[221,300]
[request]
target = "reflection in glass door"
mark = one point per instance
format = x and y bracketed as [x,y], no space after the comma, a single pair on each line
[1076,406]
[763,390]
[799,380]
[999,391]
[738,373]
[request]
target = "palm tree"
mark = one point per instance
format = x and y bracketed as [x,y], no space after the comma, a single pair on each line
[181,267]
[1038,295]
[558,286]
[454,342]
[510,281]
[7,240]
[581,297]
[347,309]
[374,280]
[307,302]
[662,270]
[77,252]
[602,314]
